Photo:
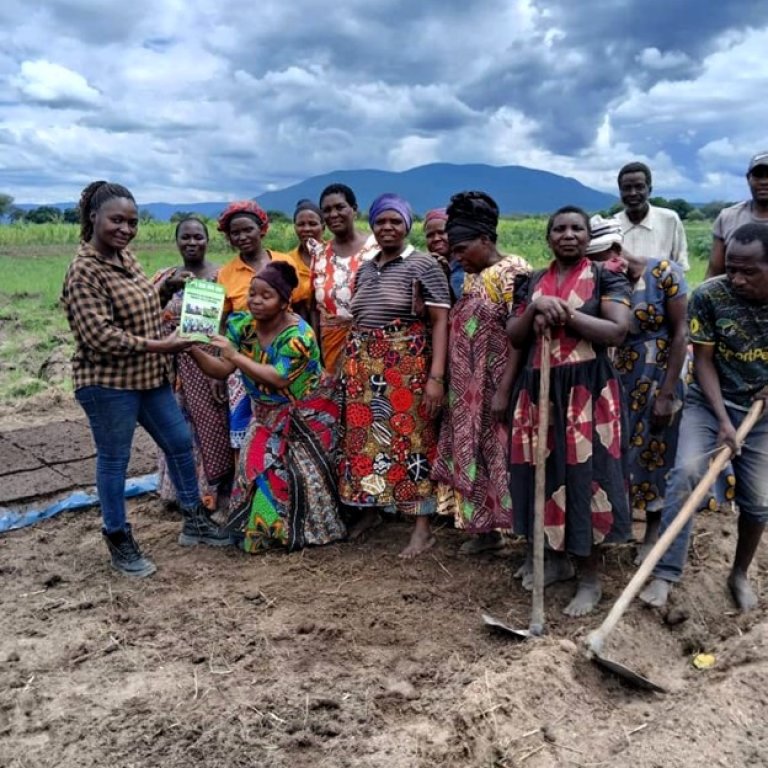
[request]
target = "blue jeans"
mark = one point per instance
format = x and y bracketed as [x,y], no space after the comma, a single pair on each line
[113,415]
[697,444]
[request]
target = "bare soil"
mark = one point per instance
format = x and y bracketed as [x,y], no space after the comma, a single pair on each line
[347,656]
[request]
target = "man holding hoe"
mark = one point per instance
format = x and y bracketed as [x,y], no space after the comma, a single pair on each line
[728,324]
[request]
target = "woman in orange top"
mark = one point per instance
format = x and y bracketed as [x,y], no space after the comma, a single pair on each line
[333,272]
[309,227]
[245,224]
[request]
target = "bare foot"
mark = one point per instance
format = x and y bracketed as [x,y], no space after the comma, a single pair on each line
[742,591]
[422,540]
[367,521]
[556,568]
[642,551]
[651,536]
[588,594]
[656,593]
[483,542]
[526,569]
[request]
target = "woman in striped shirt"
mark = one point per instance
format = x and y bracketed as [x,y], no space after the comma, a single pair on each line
[394,372]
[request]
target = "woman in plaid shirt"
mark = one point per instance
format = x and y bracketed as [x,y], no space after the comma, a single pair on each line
[120,371]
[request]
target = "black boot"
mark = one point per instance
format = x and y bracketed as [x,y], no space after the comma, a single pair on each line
[126,555]
[200,529]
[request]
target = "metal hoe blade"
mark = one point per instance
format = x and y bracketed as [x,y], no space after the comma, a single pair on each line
[520,634]
[627,674]
[596,639]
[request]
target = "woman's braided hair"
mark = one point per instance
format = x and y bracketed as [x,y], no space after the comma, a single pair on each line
[92,198]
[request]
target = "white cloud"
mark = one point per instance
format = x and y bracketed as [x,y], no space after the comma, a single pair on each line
[188,101]
[52,84]
[719,114]
[653,58]
[411,151]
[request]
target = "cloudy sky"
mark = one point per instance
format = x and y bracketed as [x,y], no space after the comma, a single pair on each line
[204,100]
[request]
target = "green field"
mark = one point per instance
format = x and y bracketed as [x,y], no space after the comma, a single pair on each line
[34,257]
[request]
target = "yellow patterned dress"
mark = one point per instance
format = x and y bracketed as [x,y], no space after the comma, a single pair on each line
[472,453]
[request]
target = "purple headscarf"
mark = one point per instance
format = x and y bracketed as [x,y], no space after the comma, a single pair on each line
[390,202]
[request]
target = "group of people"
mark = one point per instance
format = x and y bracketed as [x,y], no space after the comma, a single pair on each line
[356,377]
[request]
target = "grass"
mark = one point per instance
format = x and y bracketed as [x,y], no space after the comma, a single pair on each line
[34,259]
[31,329]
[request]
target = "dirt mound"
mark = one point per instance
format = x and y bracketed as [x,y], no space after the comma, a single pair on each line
[349,656]
[57,367]
[42,408]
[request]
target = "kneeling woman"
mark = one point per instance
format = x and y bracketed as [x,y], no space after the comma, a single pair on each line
[285,489]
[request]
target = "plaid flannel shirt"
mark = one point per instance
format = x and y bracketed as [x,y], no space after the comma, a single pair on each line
[112,310]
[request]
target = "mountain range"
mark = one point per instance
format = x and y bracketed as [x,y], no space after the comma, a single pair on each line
[517,190]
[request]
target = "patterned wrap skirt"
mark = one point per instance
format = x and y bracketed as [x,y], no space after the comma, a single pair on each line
[587,500]
[472,461]
[387,444]
[285,490]
[333,340]
[651,457]
[209,424]
[239,410]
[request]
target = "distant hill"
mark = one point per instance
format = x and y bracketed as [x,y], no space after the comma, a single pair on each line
[516,189]
[164,211]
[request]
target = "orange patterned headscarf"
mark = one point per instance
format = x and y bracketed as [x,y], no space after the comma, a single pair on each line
[436,214]
[243,208]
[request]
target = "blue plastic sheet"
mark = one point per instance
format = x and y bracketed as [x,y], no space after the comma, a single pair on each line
[11,519]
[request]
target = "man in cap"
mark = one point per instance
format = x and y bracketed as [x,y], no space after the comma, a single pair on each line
[731,218]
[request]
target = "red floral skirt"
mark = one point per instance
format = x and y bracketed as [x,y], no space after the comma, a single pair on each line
[387,444]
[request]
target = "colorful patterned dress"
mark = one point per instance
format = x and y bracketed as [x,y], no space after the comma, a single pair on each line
[642,363]
[285,489]
[333,281]
[472,453]
[207,418]
[236,276]
[388,442]
[586,493]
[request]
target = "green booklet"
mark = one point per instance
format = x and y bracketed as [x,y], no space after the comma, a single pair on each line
[201,309]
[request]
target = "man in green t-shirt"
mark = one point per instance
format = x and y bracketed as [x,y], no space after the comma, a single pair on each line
[728,325]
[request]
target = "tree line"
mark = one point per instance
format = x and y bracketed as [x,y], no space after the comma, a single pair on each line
[685,210]
[48,214]
[45,214]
